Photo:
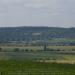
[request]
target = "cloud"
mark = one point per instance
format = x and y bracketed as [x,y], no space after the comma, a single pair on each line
[11,1]
[37,12]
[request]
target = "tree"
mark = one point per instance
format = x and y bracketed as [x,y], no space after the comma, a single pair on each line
[0,49]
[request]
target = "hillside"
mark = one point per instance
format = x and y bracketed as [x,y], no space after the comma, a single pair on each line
[37,34]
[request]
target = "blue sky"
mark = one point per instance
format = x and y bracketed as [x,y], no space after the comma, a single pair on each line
[53,13]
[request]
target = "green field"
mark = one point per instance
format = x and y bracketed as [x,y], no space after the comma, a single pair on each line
[36,61]
[28,67]
[55,40]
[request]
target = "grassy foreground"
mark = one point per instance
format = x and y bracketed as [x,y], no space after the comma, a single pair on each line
[16,67]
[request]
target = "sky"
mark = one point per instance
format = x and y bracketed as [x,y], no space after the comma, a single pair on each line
[52,13]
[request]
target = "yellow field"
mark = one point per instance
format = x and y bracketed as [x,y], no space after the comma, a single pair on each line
[62,47]
[67,58]
[37,47]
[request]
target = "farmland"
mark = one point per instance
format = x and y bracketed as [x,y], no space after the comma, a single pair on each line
[28,67]
[10,47]
[37,52]
[34,60]
[31,50]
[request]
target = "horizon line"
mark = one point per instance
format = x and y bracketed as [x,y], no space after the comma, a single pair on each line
[36,26]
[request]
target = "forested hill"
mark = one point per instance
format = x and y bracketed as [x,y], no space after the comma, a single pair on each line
[29,34]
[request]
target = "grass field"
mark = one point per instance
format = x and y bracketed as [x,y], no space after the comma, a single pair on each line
[13,67]
[28,62]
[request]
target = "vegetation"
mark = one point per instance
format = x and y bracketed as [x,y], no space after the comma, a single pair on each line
[37,51]
[37,35]
[35,48]
[23,60]
[29,67]
[0,49]
[16,50]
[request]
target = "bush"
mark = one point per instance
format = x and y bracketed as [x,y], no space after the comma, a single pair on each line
[52,50]
[26,50]
[58,50]
[16,49]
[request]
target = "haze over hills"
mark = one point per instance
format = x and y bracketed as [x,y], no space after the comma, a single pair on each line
[37,34]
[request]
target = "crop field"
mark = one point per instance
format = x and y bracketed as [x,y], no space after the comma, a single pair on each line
[62,40]
[10,47]
[62,47]
[29,67]
[36,52]
[33,60]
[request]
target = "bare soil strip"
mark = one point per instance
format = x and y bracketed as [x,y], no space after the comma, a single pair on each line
[57,61]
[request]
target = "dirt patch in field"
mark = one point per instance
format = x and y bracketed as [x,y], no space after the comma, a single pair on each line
[57,61]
